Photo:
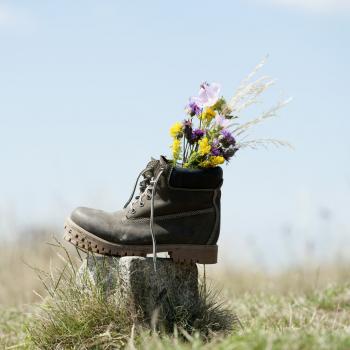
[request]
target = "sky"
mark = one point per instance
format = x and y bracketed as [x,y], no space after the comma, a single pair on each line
[88,90]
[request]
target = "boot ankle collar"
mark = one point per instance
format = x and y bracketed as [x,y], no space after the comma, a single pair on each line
[195,179]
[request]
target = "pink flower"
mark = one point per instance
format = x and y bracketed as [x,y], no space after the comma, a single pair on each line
[208,95]
[222,121]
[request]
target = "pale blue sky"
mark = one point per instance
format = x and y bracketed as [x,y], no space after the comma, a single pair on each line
[88,90]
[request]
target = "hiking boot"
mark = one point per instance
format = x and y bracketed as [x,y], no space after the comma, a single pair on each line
[177,211]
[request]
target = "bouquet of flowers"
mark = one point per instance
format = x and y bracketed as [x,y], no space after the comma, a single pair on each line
[209,136]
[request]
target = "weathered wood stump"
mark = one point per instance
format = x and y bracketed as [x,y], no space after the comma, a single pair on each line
[164,294]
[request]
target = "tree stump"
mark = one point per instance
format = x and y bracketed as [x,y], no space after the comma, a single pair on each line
[167,294]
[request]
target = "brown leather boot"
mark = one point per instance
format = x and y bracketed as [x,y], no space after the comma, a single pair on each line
[177,211]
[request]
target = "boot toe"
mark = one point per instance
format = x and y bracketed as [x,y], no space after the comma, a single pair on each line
[97,222]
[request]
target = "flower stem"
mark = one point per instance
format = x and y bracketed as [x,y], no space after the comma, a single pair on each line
[183,151]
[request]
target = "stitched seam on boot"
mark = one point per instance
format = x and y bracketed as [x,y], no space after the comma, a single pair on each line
[173,216]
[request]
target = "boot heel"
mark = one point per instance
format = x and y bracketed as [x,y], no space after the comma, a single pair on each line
[203,254]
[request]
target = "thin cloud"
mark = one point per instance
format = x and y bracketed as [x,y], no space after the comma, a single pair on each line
[323,6]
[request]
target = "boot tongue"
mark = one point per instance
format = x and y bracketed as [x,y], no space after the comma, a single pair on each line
[161,164]
[150,167]
[163,161]
[154,165]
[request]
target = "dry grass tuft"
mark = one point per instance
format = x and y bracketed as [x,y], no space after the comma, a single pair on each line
[303,308]
[74,317]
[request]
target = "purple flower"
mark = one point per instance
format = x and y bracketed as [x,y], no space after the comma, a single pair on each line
[208,95]
[197,134]
[187,127]
[216,151]
[228,135]
[215,143]
[229,152]
[215,148]
[221,121]
[192,108]
[227,138]
[187,122]
[228,143]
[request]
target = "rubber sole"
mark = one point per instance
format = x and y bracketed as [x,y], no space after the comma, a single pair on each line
[201,254]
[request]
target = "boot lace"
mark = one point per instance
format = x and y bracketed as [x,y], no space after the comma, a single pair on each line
[147,188]
[145,182]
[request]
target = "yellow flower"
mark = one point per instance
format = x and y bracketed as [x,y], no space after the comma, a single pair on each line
[176,149]
[208,114]
[212,162]
[204,147]
[205,164]
[176,130]
[216,160]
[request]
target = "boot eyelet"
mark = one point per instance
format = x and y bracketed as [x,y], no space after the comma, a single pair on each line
[149,197]
[142,204]
[133,211]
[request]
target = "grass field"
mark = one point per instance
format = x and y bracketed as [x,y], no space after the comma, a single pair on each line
[303,308]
